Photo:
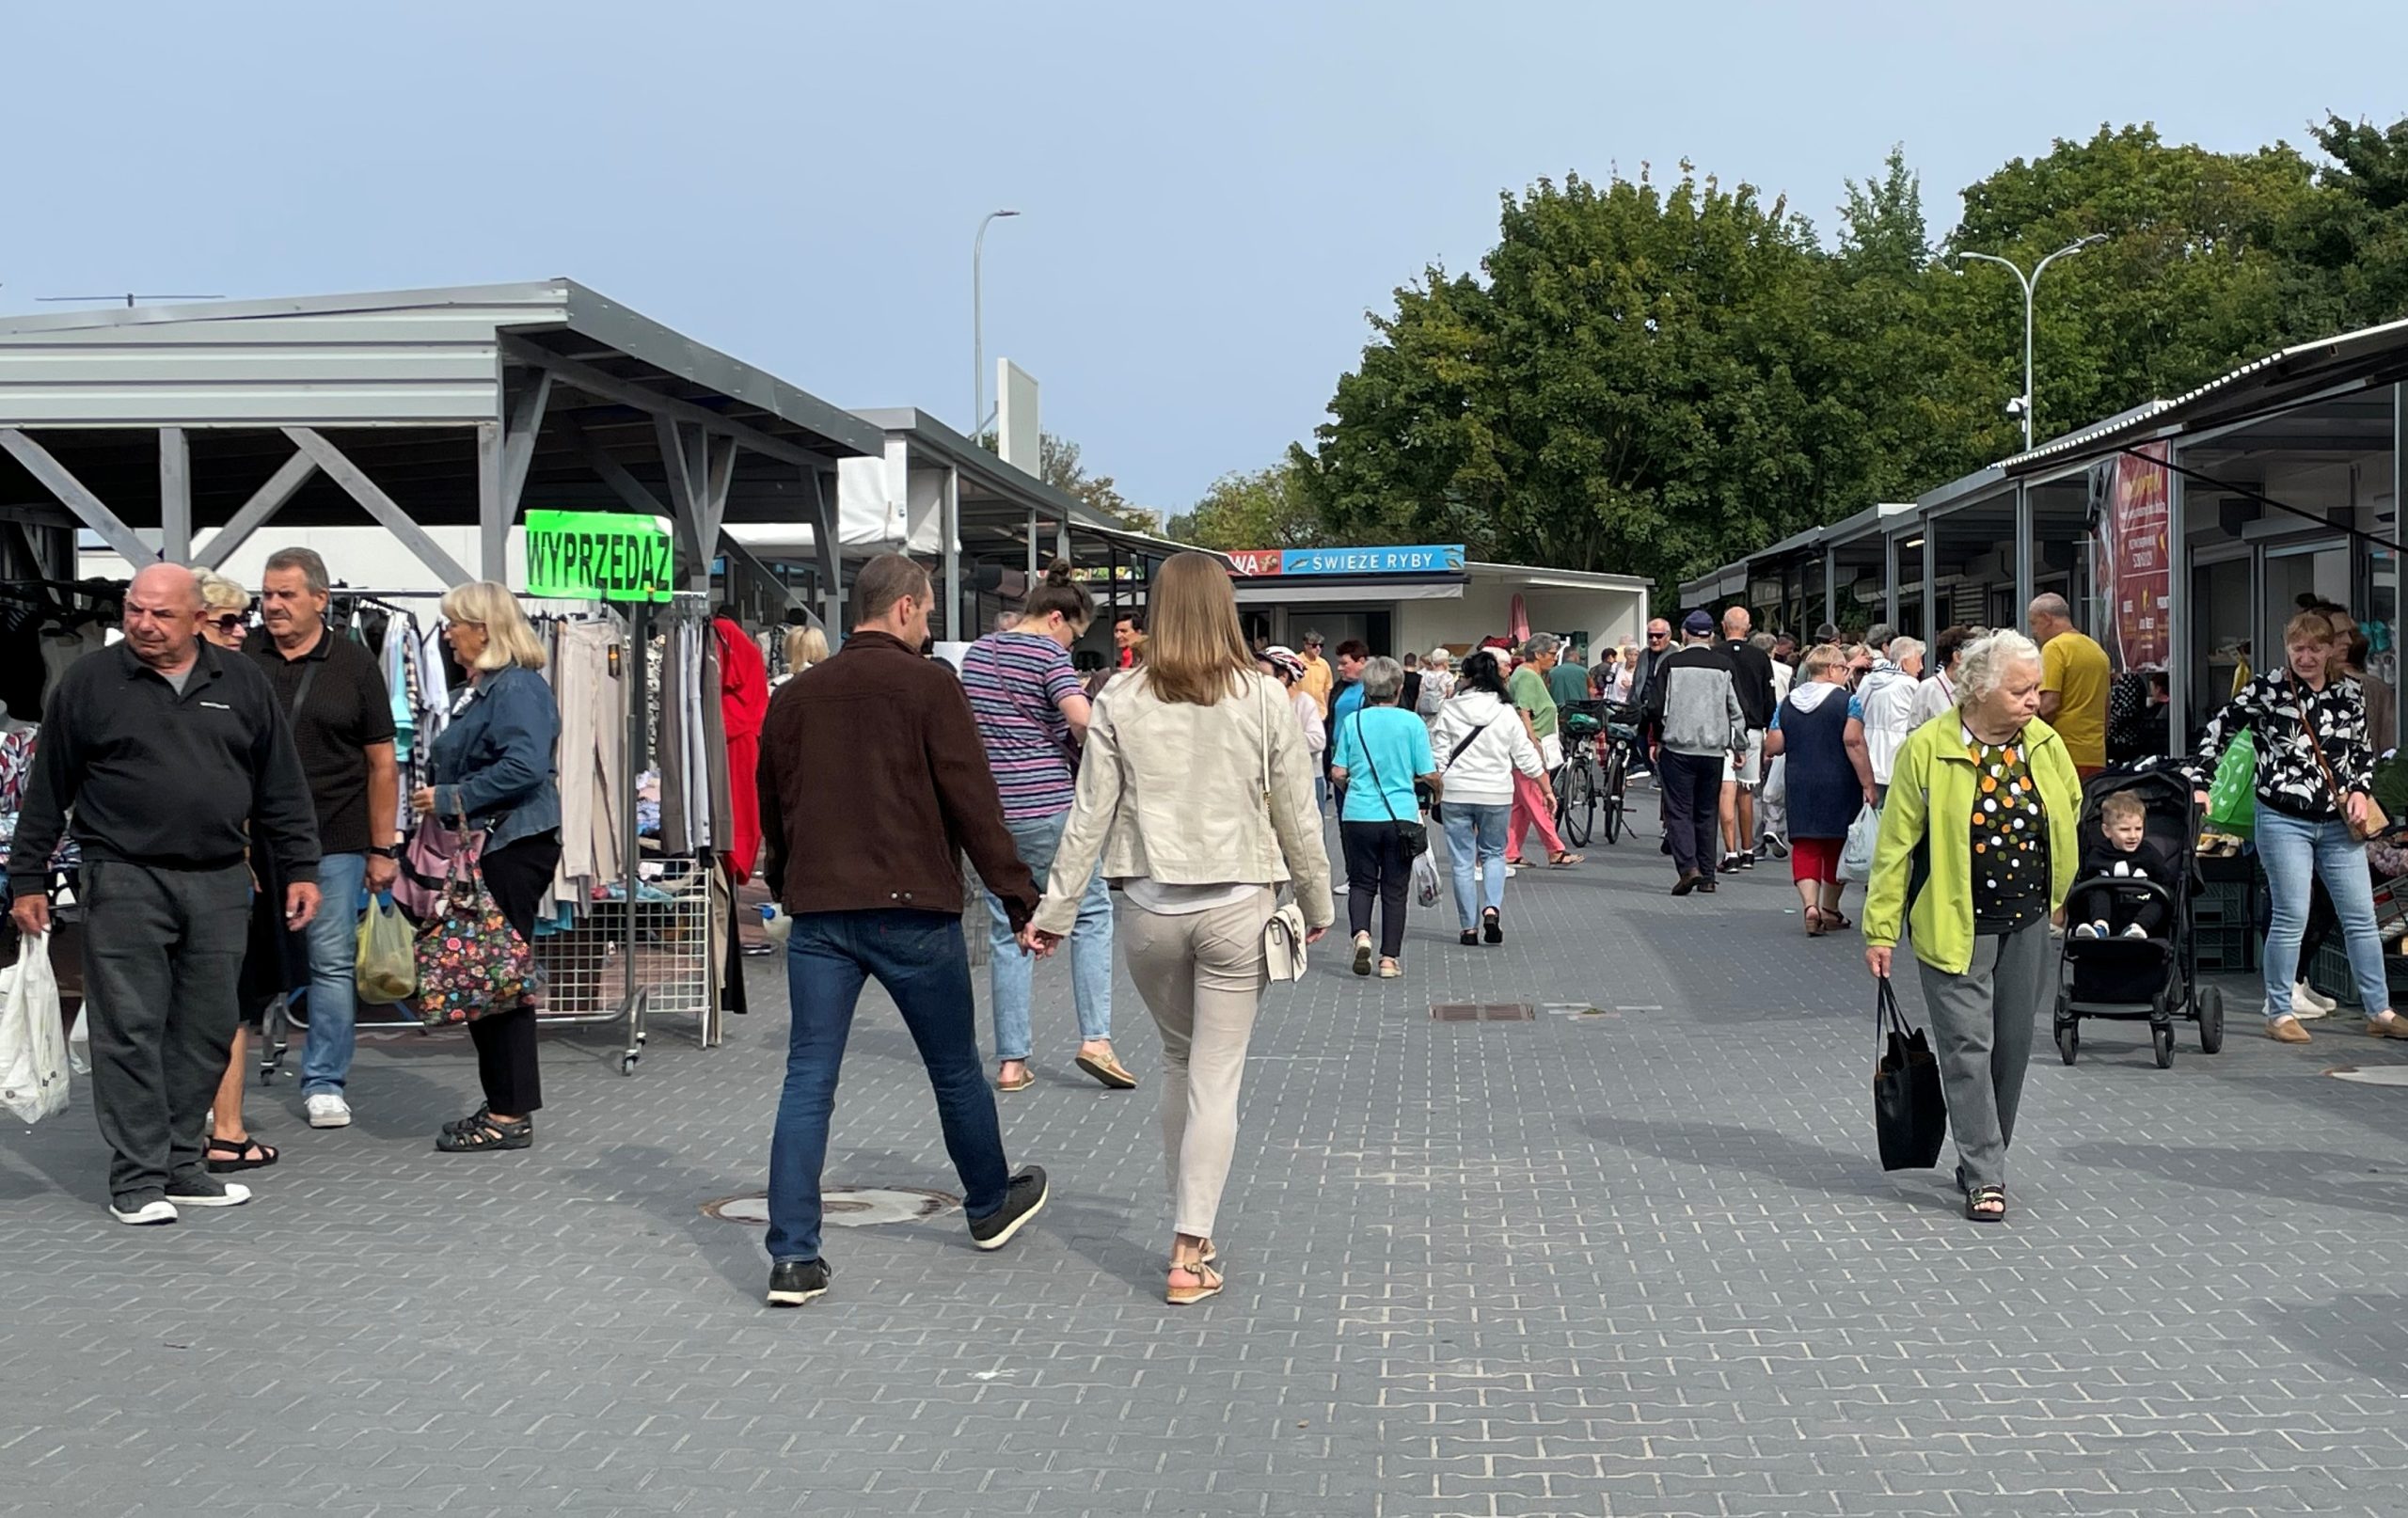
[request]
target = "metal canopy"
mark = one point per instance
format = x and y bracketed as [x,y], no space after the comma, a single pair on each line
[432,407]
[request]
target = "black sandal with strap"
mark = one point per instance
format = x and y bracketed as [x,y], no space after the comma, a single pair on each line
[229,1155]
[1981,1196]
[487,1132]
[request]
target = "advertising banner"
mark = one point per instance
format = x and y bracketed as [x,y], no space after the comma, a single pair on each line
[2136,556]
[599,556]
[1424,559]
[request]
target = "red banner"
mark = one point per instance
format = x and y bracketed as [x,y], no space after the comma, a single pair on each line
[1252,561]
[2136,558]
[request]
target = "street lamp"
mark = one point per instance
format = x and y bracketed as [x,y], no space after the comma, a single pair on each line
[978,330]
[2021,404]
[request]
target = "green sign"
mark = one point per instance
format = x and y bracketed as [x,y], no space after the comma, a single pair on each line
[599,556]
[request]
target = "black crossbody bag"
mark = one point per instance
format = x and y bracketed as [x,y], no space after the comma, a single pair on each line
[1416,837]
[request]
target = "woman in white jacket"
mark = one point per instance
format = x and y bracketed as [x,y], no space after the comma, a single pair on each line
[1196,797]
[1480,740]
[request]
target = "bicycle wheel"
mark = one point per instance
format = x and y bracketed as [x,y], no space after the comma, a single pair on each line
[1610,793]
[1576,801]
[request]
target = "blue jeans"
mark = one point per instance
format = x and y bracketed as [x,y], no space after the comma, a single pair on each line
[1008,969]
[1470,827]
[2295,852]
[333,939]
[918,957]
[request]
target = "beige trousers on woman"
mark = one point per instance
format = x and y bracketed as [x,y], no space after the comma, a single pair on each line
[1201,975]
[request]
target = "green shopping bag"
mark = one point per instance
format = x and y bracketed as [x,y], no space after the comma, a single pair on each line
[2232,800]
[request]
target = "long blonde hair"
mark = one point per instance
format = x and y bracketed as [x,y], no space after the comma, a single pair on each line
[508,638]
[1195,651]
[805,646]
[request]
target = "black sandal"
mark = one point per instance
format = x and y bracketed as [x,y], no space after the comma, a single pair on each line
[461,1125]
[238,1154]
[1982,1197]
[1472,938]
[487,1132]
[1491,927]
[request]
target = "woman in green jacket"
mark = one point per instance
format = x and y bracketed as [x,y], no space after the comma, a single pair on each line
[1987,796]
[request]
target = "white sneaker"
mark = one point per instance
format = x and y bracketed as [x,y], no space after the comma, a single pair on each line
[146,1215]
[1339,888]
[2316,998]
[2136,931]
[2086,930]
[327,1110]
[2305,1004]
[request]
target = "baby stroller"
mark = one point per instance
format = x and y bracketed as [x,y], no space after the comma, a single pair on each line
[2132,979]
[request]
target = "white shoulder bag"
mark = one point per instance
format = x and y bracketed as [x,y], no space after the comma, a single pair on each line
[1283,935]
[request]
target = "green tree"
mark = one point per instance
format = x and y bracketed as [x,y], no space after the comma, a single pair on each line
[1265,508]
[1058,465]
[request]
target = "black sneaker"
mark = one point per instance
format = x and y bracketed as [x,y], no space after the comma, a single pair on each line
[1491,926]
[201,1189]
[1730,864]
[1746,858]
[1023,1199]
[1773,848]
[794,1282]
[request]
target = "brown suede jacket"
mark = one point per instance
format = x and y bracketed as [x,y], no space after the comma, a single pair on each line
[872,777]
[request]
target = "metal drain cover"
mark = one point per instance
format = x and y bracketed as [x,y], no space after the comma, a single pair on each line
[1482,1011]
[2377,1075]
[845,1206]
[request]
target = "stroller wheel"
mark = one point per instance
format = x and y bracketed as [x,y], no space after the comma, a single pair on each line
[2162,1038]
[2069,1039]
[2211,1003]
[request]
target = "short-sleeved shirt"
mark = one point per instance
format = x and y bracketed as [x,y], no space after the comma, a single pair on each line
[2010,838]
[347,712]
[1392,742]
[1016,682]
[2075,666]
[1566,682]
[1530,692]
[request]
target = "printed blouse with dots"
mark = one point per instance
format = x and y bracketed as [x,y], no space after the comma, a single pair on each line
[2010,838]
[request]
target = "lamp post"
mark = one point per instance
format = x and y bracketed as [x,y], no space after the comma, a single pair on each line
[978,328]
[2031,282]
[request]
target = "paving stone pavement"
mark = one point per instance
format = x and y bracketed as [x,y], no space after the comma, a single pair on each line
[1629,1262]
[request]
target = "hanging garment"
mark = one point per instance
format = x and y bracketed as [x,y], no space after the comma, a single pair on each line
[590,758]
[744,704]
[668,754]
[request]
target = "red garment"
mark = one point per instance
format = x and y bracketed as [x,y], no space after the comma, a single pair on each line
[744,705]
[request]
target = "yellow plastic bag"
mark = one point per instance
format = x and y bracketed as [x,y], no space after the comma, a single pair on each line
[387,967]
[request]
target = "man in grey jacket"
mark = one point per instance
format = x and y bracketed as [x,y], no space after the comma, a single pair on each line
[1695,725]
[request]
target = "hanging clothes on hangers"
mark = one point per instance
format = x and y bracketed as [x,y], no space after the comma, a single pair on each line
[744,704]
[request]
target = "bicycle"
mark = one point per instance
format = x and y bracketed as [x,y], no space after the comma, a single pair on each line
[1584,780]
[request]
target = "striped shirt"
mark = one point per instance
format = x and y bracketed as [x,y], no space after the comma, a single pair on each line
[1016,682]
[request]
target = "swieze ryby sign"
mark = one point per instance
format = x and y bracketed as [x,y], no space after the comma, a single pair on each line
[1422,559]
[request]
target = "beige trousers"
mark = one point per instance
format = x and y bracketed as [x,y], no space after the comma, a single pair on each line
[1202,974]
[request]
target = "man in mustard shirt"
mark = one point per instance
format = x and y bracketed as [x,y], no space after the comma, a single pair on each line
[1317,682]
[2074,677]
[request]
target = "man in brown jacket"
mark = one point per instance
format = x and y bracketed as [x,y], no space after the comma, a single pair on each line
[872,777]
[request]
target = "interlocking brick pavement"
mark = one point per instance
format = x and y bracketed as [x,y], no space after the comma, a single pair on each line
[1634,1262]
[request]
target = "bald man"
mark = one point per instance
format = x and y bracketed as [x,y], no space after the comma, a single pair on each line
[175,758]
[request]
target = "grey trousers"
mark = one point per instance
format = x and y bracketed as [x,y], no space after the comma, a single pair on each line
[1982,1026]
[163,956]
[1201,975]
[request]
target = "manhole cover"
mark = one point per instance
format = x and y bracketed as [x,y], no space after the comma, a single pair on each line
[845,1206]
[1481,1011]
[2378,1075]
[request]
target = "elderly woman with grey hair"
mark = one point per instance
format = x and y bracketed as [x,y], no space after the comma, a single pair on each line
[1379,753]
[1990,799]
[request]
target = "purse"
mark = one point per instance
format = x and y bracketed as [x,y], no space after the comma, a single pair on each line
[1910,1113]
[470,961]
[1283,935]
[2375,821]
[1416,837]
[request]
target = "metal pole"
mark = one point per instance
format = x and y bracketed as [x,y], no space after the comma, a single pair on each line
[2030,284]
[953,622]
[978,327]
[2177,612]
[1931,579]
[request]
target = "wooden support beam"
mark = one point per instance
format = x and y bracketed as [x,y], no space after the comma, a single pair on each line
[77,498]
[379,505]
[265,502]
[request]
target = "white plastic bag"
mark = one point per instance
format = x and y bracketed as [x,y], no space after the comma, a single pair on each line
[1425,880]
[1856,855]
[33,1041]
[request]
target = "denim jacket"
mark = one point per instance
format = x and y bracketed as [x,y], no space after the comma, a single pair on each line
[495,761]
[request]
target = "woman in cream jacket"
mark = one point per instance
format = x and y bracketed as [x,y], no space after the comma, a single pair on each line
[1196,794]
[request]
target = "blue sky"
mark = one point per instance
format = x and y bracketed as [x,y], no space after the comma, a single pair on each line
[1213,194]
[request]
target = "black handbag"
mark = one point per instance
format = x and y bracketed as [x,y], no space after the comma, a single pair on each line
[1416,837]
[1910,1113]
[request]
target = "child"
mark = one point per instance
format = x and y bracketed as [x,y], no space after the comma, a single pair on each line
[2126,854]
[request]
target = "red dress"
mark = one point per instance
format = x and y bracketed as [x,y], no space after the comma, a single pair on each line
[744,704]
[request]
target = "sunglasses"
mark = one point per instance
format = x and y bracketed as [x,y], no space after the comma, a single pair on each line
[231,622]
[1657,638]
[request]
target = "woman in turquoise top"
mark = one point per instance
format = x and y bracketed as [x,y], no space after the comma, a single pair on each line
[1379,753]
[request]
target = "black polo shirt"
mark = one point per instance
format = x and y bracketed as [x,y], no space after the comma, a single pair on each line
[348,711]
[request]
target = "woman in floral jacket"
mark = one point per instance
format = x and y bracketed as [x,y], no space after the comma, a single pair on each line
[2314,783]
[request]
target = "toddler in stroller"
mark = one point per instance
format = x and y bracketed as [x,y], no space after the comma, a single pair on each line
[2123,851]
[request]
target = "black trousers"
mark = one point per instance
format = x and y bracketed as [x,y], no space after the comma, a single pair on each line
[518,876]
[1692,808]
[1376,862]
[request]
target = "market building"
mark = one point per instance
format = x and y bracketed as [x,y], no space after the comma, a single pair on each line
[1424,596]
